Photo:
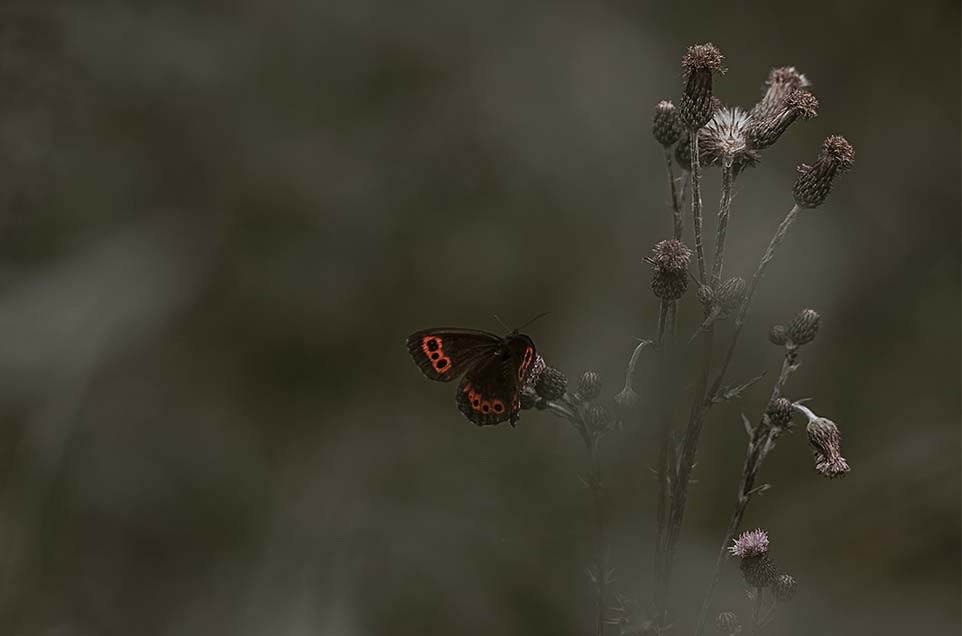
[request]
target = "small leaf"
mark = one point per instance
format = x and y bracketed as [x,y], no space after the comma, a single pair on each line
[749,427]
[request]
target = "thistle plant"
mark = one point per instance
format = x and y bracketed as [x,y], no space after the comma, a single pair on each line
[703,133]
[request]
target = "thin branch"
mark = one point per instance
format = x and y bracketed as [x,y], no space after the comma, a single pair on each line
[678,223]
[696,204]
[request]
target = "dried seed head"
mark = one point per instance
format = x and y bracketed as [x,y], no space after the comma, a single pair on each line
[784,587]
[671,255]
[825,440]
[705,295]
[665,125]
[731,293]
[551,384]
[759,571]
[781,82]
[727,623]
[765,131]
[726,137]
[700,63]
[589,386]
[597,418]
[814,182]
[780,412]
[804,326]
[669,285]
[750,544]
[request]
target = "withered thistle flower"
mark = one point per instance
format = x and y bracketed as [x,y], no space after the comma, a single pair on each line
[626,399]
[825,440]
[814,182]
[726,136]
[665,126]
[589,385]
[804,327]
[670,259]
[551,384]
[756,566]
[764,131]
[534,374]
[781,82]
[701,62]
[728,624]
[784,587]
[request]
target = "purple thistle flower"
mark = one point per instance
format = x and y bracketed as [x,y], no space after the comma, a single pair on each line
[752,543]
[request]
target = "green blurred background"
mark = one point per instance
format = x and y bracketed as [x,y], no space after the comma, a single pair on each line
[222,219]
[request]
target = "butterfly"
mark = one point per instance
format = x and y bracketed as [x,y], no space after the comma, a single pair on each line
[494,369]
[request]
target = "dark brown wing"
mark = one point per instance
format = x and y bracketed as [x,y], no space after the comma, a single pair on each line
[490,392]
[443,354]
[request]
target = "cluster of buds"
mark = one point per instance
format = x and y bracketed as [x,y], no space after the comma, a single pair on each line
[757,567]
[800,331]
[670,259]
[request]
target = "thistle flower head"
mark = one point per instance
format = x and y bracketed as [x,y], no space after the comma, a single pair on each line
[626,399]
[825,440]
[804,327]
[778,335]
[814,182]
[551,384]
[731,293]
[779,412]
[534,374]
[703,57]
[700,63]
[752,543]
[671,255]
[665,126]
[726,136]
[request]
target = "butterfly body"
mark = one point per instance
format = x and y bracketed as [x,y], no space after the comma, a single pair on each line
[492,368]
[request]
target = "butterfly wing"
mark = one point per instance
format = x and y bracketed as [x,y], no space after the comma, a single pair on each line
[490,392]
[443,354]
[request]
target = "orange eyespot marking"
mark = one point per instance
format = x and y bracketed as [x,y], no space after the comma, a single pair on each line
[432,345]
[443,365]
[485,406]
[498,406]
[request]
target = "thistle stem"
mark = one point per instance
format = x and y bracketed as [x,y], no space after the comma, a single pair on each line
[602,537]
[724,211]
[758,448]
[777,239]
[676,197]
[696,204]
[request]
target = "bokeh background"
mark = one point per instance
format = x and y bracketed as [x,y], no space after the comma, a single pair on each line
[221,219]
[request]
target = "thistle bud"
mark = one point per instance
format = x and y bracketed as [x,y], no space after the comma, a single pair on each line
[597,418]
[728,624]
[778,335]
[700,63]
[528,401]
[779,412]
[758,571]
[589,386]
[764,132]
[731,293]
[669,285]
[665,125]
[814,182]
[552,384]
[825,440]
[705,295]
[670,259]
[784,587]
[804,326]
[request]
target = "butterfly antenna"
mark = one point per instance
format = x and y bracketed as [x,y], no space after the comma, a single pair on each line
[501,322]
[541,315]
